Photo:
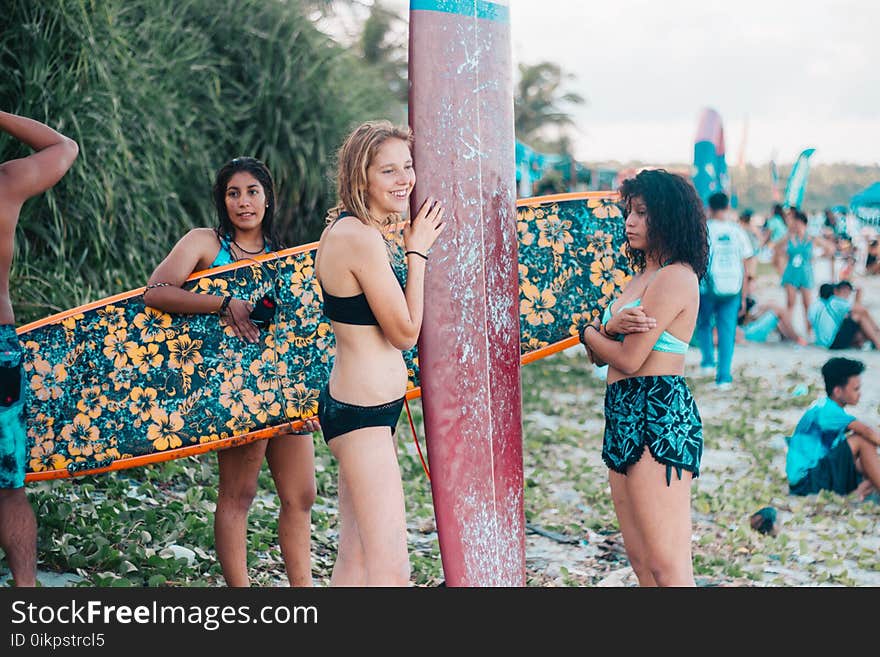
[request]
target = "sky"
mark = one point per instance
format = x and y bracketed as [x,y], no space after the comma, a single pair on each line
[784,75]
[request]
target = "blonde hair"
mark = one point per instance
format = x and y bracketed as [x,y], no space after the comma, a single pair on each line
[353,159]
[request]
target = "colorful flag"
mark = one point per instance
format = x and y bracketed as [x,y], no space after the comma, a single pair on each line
[710,169]
[797,181]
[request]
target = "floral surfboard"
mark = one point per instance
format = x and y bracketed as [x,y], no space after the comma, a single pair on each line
[115,384]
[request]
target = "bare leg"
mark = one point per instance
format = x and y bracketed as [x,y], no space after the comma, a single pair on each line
[790,297]
[368,463]
[18,536]
[806,299]
[663,515]
[864,489]
[292,463]
[788,331]
[785,326]
[633,541]
[350,568]
[867,460]
[239,469]
[867,325]
[779,256]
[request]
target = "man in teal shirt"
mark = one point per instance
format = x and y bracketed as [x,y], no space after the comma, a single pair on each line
[831,449]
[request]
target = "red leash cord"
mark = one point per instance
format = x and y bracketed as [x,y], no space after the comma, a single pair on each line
[416,439]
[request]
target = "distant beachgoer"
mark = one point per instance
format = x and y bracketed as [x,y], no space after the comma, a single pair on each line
[775,229]
[831,449]
[730,251]
[775,226]
[763,320]
[643,339]
[872,258]
[839,320]
[751,264]
[797,278]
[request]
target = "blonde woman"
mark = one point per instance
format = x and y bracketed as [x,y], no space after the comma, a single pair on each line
[375,317]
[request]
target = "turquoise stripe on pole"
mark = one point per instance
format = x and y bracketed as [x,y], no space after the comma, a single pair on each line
[492,11]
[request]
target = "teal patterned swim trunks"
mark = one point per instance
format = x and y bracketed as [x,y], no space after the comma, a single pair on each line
[13,429]
[657,412]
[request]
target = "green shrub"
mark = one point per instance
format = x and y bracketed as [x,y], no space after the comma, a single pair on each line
[159,94]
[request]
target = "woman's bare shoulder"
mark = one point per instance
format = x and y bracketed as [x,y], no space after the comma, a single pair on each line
[351,233]
[201,236]
[678,275]
[198,240]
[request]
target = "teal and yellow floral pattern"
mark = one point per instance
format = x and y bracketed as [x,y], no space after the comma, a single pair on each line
[125,380]
[571,264]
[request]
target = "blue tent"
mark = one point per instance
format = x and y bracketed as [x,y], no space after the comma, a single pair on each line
[866,205]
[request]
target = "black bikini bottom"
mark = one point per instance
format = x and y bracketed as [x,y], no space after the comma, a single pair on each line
[337,417]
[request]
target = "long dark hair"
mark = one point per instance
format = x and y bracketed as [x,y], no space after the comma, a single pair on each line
[259,171]
[676,219]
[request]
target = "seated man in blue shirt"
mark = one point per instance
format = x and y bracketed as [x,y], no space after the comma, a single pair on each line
[831,449]
[839,321]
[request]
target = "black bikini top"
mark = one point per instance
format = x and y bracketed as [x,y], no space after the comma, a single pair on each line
[351,310]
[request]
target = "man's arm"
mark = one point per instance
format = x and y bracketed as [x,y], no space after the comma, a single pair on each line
[23,178]
[865,431]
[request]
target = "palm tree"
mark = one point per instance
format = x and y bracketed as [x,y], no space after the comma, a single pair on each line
[384,47]
[540,101]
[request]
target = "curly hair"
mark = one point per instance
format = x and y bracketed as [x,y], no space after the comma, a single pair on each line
[259,171]
[676,219]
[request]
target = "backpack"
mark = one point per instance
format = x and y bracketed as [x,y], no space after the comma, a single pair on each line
[724,276]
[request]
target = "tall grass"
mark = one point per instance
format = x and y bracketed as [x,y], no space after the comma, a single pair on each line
[159,94]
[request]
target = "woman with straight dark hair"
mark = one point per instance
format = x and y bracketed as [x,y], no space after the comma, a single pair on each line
[244,196]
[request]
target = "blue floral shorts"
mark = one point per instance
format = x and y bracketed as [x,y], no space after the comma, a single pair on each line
[13,428]
[654,411]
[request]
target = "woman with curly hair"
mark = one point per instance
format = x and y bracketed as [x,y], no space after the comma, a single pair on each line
[643,338]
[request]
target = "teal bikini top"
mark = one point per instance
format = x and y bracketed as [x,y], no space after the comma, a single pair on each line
[666,342]
[224,255]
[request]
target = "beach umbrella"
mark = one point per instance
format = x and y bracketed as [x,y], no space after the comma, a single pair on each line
[866,205]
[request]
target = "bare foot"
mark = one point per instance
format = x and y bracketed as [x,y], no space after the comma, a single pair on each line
[864,489]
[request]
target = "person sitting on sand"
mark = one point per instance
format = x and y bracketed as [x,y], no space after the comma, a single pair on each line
[839,320]
[763,319]
[831,449]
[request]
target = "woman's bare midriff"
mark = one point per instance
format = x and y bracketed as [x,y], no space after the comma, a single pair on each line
[367,369]
[659,363]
